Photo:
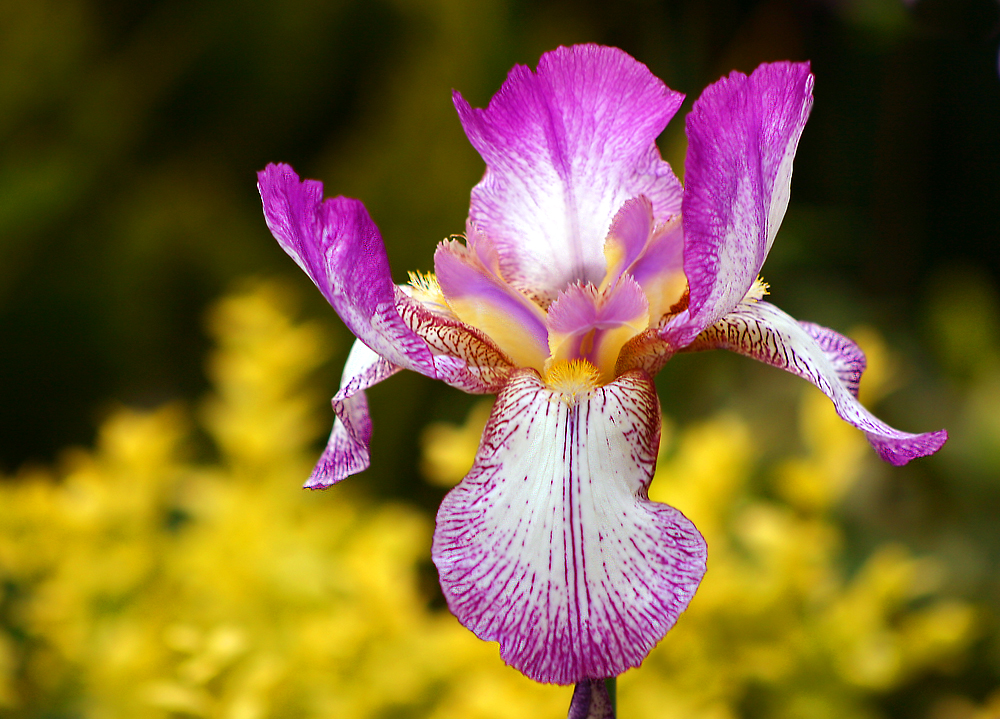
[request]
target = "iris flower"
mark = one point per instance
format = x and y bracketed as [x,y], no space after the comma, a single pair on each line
[585,267]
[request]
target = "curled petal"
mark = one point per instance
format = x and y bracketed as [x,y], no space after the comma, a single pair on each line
[659,270]
[462,357]
[828,360]
[339,247]
[346,452]
[585,324]
[551,546]
[742,136]
[564,148]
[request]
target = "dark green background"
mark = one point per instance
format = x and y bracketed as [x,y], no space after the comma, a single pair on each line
[130,133]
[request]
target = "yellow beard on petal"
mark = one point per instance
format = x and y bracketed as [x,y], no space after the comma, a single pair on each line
[424,287]
[572,379]
[757,290]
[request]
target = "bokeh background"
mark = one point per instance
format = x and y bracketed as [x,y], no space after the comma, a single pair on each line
[130,133]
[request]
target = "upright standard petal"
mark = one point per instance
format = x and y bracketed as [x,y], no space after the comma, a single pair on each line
[564,148]
[346,452]
[339,247]
[551,546]
[828,360]
[742,136]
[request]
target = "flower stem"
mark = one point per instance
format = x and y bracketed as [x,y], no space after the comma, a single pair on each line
[611,684]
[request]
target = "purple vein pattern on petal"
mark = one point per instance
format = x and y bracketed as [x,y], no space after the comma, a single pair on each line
[551,546]
[346,452]
[464,357]
[564,148]
[742,135]
[828,360]
[339,247]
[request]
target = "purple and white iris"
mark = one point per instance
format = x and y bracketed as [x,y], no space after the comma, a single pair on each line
[585,267]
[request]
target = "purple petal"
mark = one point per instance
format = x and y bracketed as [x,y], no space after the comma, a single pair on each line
[627,237]
[585,324]
[483,300]
[742,136]
[339,247]
[550,545]
[580,307]
[591,701]
[660,268]
[346,452]
[463,358]
[828,360]
[565,147]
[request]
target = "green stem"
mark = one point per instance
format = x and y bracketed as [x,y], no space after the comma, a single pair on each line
[611,684]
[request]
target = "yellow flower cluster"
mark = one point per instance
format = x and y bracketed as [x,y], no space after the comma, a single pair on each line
[176,571]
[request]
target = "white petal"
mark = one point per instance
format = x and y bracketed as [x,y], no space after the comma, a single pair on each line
[551,546]
[346,451]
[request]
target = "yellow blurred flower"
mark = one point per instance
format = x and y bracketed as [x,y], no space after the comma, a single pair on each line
[142,583]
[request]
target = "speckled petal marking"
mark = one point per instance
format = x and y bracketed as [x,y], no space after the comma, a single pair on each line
[591,701]
[828,360]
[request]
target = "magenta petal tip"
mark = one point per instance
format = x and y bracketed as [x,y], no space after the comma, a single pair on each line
[899,451]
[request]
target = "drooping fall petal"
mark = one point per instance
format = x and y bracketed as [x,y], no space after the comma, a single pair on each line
[464,357]
[565,147]
[346,451]
[828,360]
[550,545]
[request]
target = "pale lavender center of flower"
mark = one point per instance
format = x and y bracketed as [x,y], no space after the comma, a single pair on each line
[585,323]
